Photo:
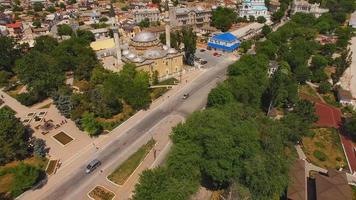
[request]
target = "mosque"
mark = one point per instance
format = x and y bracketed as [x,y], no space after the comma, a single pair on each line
[144,50]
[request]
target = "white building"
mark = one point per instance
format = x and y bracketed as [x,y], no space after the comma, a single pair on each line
[306,7]
[152,14]
[254,8]
[195,17]
[352,21]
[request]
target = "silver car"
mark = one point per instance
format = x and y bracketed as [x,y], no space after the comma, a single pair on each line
[92,166]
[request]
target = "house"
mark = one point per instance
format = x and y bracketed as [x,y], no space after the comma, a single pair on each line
[194,17]
[352,21]
[345,97]
[297,188]
[306,7]
[15,29]
[225,42]
[332,185]
[100,33]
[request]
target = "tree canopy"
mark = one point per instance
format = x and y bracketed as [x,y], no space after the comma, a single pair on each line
[223,18]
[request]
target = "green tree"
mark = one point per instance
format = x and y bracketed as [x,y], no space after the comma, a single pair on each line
[51,9]
[25,176]
[251,18]
[189,39]
[266,30]
[302,73]
[349,126]
[9,52]
[261,19]
[39,147]
[144,23]
[36,24]
[13,137]
[86,35]
[90,124]
[306,110]
[37,6]
[40,72]
[64,29]
[223,18]
[220,95]
[324,87]
[45,44]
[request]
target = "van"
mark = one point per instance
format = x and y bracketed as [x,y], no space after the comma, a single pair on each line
[92,166]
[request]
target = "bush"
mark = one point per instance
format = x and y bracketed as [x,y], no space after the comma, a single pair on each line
[339,159]
[261,19]
[320,155]
[25,176]
[39,148]
[324,87]
[4,77]
[29,99]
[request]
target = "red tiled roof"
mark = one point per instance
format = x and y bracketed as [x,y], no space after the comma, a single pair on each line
[350,153]
[14,25]
[329,116]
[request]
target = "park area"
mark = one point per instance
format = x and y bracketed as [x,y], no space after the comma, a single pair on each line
[9,174]
[124,171]
[101,193]
[324,148]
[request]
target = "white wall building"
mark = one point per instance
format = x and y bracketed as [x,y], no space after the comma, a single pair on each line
[306,7]
[254,8]
[152,14]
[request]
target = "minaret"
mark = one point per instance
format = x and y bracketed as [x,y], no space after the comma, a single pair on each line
[168,30]
[117,41]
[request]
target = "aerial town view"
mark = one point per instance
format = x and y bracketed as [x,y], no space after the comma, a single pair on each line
[178,99]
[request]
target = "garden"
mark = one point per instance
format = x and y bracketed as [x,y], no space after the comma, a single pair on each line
[101,193]
[324,148]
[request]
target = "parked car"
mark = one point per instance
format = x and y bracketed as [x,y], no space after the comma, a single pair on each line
[215,54]
[92,166]
[203,62]
[185,96]
[202,50]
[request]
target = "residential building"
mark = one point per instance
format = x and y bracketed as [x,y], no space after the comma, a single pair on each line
[152,14]
[194,17]
[6,3]
[254,8]
[274,5]
[352,21]
[306,7]
[15,29]
[345,97]
[332,185]
[225,42]
[100,33]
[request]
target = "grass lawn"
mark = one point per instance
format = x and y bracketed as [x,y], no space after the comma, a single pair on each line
[353,192]
[100,193]
[324,148]
[63,138]
[46,106]
[14,92]
[122,173]
[307,90]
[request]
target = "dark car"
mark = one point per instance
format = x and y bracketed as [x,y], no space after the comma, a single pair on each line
[185,96]
[203,62]
[92,166]
[202,50]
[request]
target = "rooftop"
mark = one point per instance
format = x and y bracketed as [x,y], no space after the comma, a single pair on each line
[102,44]
[226,37]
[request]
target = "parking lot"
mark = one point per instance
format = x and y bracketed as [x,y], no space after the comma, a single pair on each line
[213,57]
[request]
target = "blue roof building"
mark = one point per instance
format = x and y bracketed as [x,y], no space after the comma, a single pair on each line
[225,42]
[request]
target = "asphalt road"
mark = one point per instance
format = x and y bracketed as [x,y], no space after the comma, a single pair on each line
[76,183]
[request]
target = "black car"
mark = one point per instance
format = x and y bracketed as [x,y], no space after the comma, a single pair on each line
[185,96]
[202,50]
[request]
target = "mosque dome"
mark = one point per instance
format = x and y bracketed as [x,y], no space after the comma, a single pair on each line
[125,52]
[165,47]
[153,54]
[131,56]
[144,36]
[138,59]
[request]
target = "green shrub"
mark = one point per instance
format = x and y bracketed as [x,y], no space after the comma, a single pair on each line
[25,176]
[319,144]
[320,155]
[339,159]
